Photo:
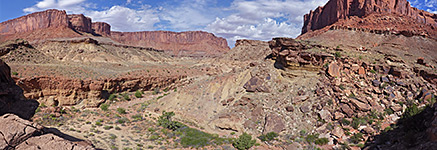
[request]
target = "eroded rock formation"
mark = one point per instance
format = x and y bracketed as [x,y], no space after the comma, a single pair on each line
[80,23]
[102,28]
[337,10]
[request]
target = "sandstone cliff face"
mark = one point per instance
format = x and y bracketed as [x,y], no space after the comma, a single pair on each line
[101,28]
[80,23]
[40,20]
[181,43]
[335,10]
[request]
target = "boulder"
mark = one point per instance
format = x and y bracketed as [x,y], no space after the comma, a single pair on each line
[256,84]
[274,123]
[334,70]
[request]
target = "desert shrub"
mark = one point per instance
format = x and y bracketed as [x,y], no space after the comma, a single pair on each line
[244,142]
[311,138]
[126,97]
[269,136]
[388,111]
[411,111]
[98,123]
[165,121]
[337,54]
[195,138]
[108,127]
[137,117]
[344,121]
[121,111]
[111,97]
[321,141]
[356,138]
[122,120]
[14,73]
[104,107]
[138,94]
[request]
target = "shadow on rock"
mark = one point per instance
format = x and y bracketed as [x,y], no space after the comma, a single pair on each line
[417,129]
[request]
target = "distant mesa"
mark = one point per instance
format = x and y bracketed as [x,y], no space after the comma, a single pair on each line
[394,16]
[54,23]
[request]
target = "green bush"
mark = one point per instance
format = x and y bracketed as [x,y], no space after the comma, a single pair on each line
[122,120]
[244,142]
[138,94]
[108,127]
[14,73]
[104,107]
[165,121]
[126,97]
[356,138]
[269,136]
[337,54]
[345,121]
[111,97]
[98,123]
[322,141]
[195,138]
[137,117]
[121,111]
[411,111]
[311,138]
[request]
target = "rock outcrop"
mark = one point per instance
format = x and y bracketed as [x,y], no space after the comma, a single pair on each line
[80,23]
[101,28]
[19,134]
[59,91]
[190,43]
[290,53]
[337,10]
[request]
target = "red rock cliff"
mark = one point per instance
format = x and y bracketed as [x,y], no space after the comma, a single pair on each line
[80,23]
[181,43]
[101,28]
[40,20]
[335,10]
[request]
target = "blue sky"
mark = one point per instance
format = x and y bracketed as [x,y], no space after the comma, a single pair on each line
[231,19]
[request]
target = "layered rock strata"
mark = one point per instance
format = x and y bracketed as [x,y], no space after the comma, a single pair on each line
[363,12]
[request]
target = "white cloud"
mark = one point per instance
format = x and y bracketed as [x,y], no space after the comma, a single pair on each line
[126,19]
[263,19]
[128,1]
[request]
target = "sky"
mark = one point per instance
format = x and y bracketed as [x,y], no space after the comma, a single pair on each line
[231,19]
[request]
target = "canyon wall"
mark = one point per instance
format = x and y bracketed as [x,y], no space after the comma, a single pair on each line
[40,20]
[101,28]
[80,23]
[181,43]
[335,10]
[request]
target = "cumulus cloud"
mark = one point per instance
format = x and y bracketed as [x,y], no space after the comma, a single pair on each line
[71,5]
[263,19]
[127,19]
